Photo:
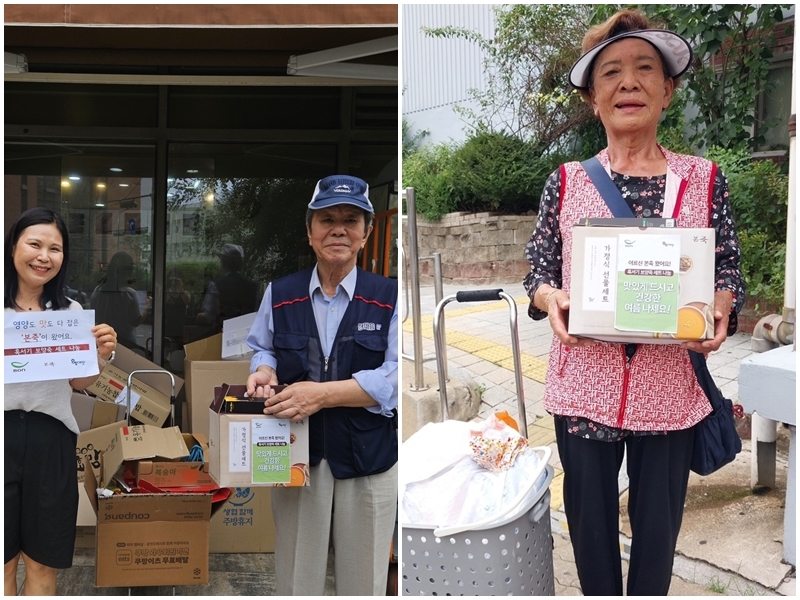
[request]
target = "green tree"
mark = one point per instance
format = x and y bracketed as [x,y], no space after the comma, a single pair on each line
[526,66]
[251,212]
[732,46]
[412,143]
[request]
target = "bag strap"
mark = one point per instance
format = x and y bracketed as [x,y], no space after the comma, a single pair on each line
[705,379]
[613,199]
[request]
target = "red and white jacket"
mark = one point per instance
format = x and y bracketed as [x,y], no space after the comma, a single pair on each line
[657,390]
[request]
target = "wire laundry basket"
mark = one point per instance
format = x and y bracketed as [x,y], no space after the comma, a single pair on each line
[512,557]
[508,554]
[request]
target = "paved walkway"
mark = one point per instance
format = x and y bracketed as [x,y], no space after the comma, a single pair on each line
[478,348]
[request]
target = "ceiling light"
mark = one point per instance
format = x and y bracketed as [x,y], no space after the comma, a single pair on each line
[210,198]
[116,169]
[101,186]
[192,171]
[65,184]
[123,185]
[74,178]
[99,204]
[170,180]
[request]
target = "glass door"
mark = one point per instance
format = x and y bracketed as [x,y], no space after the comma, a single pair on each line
[104,192]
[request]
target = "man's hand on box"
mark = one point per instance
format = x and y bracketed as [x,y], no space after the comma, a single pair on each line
[298,401]
[258,383]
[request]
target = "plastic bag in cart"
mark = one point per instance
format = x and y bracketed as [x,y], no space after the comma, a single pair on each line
[441,484]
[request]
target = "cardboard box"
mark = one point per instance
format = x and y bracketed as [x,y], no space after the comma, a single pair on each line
[91,412]
[84,535]
[150,392]
[205,369]
[651,284]
[234,337]
[91,444]
[151,539]
[86,516]
[175,472]
[244,524]
[148,539]
[256,450]
[137,442]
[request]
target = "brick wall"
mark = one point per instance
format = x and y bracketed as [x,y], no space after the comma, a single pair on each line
[754,310]
[476,248]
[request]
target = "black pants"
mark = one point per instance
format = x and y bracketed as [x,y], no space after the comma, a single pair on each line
[658,469]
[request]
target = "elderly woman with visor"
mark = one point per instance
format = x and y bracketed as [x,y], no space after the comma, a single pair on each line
[611,399]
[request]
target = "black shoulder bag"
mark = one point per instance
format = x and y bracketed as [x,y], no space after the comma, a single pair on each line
[716,441]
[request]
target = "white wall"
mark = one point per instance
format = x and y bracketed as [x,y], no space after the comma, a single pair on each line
[438,73]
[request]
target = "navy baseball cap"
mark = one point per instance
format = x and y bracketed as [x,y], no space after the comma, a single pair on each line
[341,189]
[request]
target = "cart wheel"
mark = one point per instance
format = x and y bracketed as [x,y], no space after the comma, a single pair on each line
[391,582]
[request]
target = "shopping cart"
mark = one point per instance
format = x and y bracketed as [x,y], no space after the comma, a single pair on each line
[507,554]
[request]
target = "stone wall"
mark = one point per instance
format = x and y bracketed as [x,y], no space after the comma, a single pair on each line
[476,248]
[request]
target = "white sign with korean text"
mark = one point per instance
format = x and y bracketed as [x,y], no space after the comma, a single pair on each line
[48,345]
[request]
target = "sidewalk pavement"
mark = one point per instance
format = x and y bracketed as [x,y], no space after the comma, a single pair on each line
[730,542]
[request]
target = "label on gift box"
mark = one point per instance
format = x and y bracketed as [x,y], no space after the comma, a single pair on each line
[271,453]
[599,283]
[648,268]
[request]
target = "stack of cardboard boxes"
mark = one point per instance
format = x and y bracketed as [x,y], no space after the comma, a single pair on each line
[244,524]
[164,537]
[159,534]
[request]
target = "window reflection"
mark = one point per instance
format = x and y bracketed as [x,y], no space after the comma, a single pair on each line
[236,222]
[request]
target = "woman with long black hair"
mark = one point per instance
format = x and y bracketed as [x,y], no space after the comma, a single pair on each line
[41,479]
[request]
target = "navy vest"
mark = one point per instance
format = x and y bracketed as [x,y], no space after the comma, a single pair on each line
[354,441]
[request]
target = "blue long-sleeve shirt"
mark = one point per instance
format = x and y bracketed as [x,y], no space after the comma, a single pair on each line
[380,384]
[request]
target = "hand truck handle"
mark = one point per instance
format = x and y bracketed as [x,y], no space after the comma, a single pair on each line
[478,295]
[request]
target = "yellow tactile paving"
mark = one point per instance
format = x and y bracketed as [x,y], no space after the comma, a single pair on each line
[557,491]
[498,354]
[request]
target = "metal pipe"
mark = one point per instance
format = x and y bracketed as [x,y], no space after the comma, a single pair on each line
[438,288]
[790,289]
[416,310]
[440,360]
[438,291]
[523,417]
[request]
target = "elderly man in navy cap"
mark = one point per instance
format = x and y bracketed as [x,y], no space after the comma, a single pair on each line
[331,333]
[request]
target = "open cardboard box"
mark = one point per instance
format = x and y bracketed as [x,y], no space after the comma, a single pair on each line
[255,449]
[90,445]
[204,369]
[172,473]
[149,539]
[150,392]
[652,284]
[91,412]
[140,442]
